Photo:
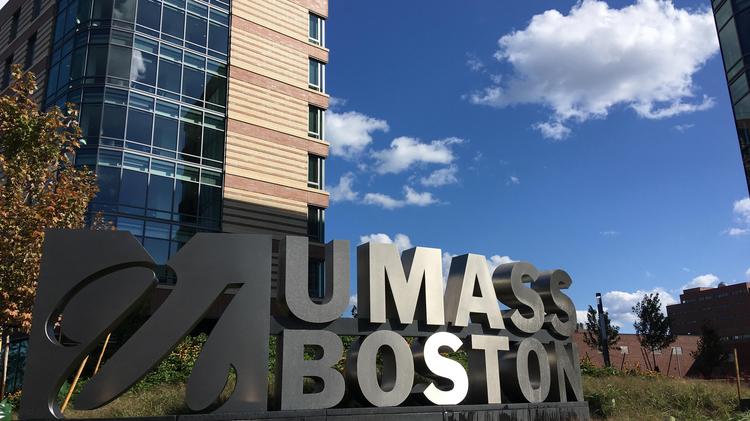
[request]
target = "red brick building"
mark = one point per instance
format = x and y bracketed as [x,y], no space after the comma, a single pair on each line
[724,308]
[674,360]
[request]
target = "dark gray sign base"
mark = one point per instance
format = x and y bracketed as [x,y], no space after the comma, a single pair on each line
[578,411]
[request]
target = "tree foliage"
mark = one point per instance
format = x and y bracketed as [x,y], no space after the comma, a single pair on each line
[591,334]
[651,325]
[710,352]
[39,189]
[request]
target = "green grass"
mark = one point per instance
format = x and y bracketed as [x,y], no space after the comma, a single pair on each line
[613,397]
[658,398]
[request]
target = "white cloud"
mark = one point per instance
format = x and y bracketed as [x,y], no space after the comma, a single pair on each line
[407,151]
[619,304]
[411,198]
[742,209]
[351,132]
[742,213]
[402,241]
[497,260]
[554,130]
[684,127]
[343,191]
[441,177]
[2,3]
[610,233]
[513,180]
[334,103]
[383,200]
[708,280]
[748,274]
[492,262]
[596,57]
[737,232]
[474,63]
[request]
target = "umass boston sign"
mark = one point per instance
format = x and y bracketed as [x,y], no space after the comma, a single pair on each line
[520,356]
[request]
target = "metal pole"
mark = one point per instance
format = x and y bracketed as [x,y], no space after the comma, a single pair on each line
[6,340]
[603,340]
[737,370]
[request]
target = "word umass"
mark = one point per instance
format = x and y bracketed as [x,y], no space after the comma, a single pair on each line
[522,354]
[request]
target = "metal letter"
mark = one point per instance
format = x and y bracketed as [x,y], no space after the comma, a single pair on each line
[566,372]
[378,265]
[105,286]
[206,267]
[527,379]
[398,368]
[294,278]
[561,318]
[460,303]
[484,366]
[293,368]
[526,316]
[430,363]
[239,338]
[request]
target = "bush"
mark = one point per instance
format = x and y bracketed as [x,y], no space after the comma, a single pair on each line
[176,368]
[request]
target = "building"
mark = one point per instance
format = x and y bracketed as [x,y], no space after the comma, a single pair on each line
[674,361]
[723,309]
[733,25]
[198,115]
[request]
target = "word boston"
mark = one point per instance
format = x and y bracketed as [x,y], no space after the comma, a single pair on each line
[408,327]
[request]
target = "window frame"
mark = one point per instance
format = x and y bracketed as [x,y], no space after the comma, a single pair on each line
[318,181]
[320,122]
[30,51]
[321,79]
[320,22]
[316,224]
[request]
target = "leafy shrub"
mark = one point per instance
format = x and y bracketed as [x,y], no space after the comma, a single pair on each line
[176,368]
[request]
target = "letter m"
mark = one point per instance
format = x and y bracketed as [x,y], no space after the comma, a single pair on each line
[379,265]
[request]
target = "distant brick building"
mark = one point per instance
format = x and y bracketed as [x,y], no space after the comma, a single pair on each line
[724,308]
[675,360]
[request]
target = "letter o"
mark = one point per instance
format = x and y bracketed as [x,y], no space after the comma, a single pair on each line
[398,368]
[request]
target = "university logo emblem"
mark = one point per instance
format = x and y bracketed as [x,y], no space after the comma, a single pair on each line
[92,281]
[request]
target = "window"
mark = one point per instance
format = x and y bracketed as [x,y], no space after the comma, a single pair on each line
[14,25]
[315,123]
[316,224]
[37,8]
[30,51]
[317,75]
[7,68]
[317,29]
[315,171]
[316,279]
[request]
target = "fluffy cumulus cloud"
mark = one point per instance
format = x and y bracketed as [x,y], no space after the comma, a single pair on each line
[742,216]
[405,152]
[582,64]
[554,130]
[351,132]
[441,177]
[492,262]
[411,198]
[708,280]
[620,304]
[343,191]
[402,241]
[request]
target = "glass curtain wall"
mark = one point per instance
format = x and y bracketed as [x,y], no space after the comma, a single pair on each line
[733,25]
[150,80]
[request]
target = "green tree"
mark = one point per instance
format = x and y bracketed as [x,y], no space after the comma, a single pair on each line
[591,333]
[710,352]
[39,189]
[652,326]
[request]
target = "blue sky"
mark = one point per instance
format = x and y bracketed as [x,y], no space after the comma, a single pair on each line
[597,139]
